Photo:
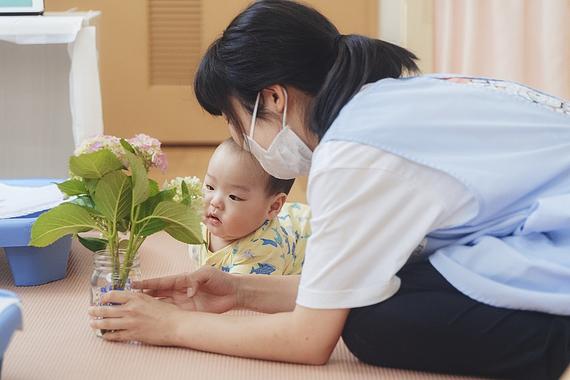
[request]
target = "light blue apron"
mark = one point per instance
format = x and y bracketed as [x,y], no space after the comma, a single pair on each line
[512,154]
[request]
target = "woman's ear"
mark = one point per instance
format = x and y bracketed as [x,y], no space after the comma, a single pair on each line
[274,98]
[276,204]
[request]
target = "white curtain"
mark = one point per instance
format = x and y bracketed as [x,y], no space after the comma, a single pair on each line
[527,41]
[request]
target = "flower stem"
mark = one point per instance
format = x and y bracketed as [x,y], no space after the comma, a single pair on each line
[132,248]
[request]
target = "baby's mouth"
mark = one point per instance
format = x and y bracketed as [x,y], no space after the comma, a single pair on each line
[213,219]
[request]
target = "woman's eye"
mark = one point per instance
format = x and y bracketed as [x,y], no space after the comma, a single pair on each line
[208,187]
[234,198]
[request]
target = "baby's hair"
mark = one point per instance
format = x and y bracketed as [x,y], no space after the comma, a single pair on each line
[274,185]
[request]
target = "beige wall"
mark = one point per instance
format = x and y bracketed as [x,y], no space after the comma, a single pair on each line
[132,104]
[409,23]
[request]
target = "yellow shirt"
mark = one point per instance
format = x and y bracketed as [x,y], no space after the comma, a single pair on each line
[277,247]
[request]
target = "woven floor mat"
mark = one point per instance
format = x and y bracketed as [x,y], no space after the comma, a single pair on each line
[57,343]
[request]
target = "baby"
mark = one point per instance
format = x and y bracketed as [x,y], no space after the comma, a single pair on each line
[247,226]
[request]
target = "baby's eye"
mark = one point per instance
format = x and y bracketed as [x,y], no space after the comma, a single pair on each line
[235,198]
[208,187]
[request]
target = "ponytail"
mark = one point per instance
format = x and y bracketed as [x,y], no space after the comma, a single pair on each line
[287,43]
[359,60]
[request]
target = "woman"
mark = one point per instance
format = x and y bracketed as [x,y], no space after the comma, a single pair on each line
[441,208]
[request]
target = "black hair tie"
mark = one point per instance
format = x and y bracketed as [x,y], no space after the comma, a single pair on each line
[337,39]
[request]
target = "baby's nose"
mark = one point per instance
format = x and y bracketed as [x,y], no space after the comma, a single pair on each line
[217,202]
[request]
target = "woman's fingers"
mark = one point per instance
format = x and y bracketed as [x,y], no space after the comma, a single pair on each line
[106,311]
[118,336]
[157,292]
[168,282]
[109,324]
[191,290]
[195,279]
[155,283]
[117,297]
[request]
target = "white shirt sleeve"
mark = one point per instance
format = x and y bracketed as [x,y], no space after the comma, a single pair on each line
[370,210]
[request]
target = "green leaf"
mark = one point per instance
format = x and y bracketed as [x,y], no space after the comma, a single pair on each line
[94,165]
[91,185]
[185,191]
[151,226]
[139,178]
[93,244]
[185,194]
[148,206]
[167,195]
[153,188]
[182,222]
[127,146]
[113,196]
[181,233]
[72,187]
[65,219]
[87,203]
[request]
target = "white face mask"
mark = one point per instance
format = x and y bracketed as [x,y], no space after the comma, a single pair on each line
[287,157]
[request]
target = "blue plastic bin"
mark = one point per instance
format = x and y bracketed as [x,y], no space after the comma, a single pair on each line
[10,320]
[31,265]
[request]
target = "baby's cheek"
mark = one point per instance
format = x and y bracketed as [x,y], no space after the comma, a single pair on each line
[238,224]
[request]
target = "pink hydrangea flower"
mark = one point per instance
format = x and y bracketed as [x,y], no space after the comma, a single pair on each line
[148,148]
[159,161]
[97,143]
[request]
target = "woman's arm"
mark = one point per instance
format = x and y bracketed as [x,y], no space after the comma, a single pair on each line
[267,294]
[213,291]
[301,336]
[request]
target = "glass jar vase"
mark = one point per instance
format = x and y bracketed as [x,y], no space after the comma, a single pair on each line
[111,274]
[196,256]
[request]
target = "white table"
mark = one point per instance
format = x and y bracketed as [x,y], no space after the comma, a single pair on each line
[50,98]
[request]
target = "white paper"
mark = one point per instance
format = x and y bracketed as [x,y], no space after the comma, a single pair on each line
[19,201]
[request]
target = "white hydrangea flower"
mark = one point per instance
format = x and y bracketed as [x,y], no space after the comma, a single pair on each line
[193,183]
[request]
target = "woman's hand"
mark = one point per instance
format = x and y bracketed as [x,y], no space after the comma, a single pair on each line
[302,336]
[139,317]
[207,289]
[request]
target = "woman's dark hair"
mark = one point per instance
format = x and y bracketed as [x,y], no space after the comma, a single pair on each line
[290,44]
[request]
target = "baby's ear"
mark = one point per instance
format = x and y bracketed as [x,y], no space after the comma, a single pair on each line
[276,204]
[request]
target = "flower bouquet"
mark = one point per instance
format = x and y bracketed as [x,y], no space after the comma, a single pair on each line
[110,193]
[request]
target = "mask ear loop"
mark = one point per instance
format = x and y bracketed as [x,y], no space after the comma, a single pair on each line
[285,110]
[253,115]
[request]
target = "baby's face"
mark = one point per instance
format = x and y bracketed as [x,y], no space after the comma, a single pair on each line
[235,201]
